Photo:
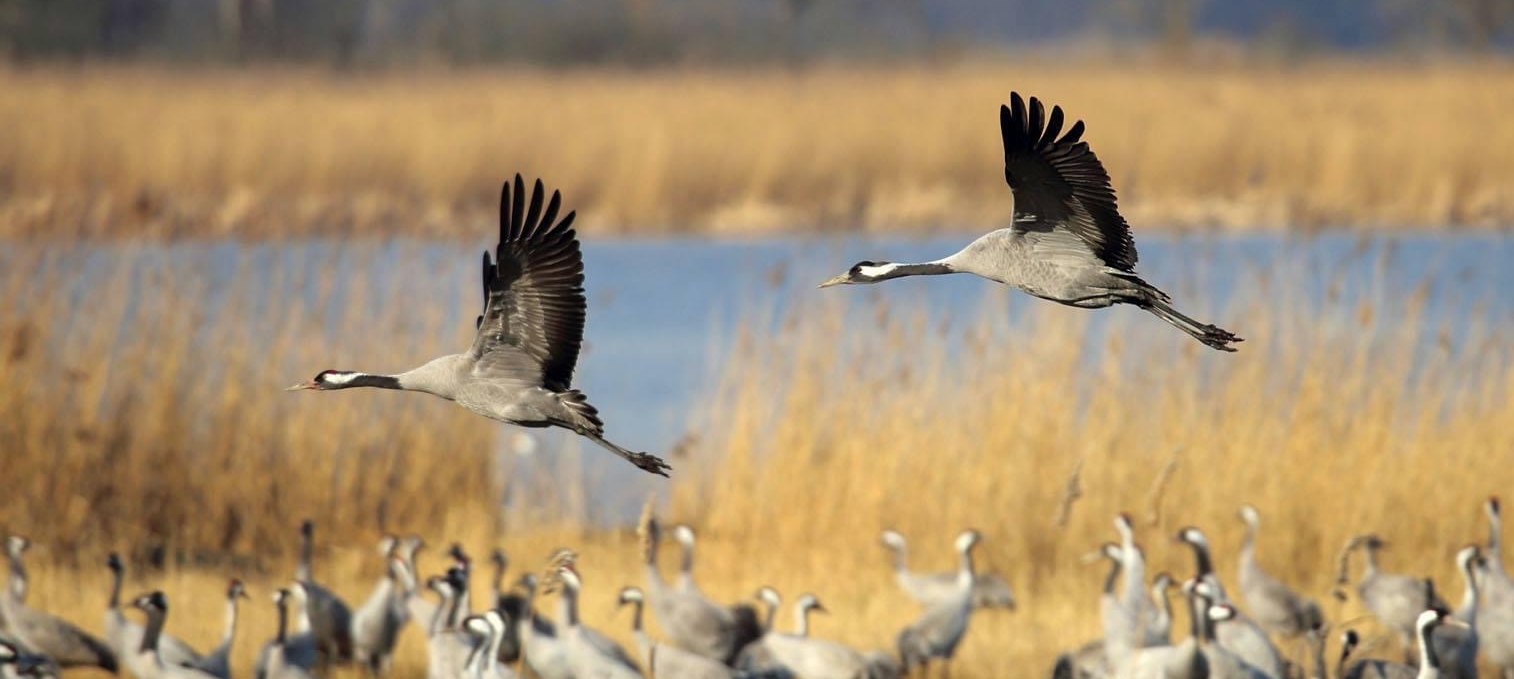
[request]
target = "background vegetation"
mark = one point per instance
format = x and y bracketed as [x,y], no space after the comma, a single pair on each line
[151,153]
[1339,417]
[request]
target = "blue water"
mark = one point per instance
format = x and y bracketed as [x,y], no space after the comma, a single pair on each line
[662,311]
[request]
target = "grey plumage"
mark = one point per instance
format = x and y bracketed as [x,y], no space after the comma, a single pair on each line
[1239,635]
[217,663]
[448,646]
[590,654]
[520,367]
[1068,242]
[377,623]
[1430,663]
[541,647]
[990,590]
[1270,603]
[488,629]
[688,619]
[124,636]
[1395,600]
[1456,645]
[329,617]
[1495,616]
[663,660]
[289,655]
[814,658]
[937,633]
[42,633]
[757,657]
[152,664]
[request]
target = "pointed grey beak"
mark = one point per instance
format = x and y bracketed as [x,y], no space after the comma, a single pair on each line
[842,279]
[301,386]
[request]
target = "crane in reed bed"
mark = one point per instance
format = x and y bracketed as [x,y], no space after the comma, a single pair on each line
[1068,242]
[520,367]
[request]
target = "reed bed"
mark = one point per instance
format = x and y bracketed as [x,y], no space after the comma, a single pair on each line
[134,152]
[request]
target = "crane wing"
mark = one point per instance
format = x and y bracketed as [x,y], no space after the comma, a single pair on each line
[1059,184]
[533,319]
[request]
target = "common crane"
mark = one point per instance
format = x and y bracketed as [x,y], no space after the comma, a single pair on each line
[937,633]
[330,617]
[155,606]
[44,634]
[217,663]
[814,658]
[1495,617]
[665,660]
[589,653]
[1270,603]
[1241,635]
[688,619]
[1068,242]
[520,367]
[1456,645]
[125,635]
[1430,663]
[929,589]
[1395,600]
[287,656]
[377,623]
[541,647]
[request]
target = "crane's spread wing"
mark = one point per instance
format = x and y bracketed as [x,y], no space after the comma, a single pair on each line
[1059,184]
[533,320]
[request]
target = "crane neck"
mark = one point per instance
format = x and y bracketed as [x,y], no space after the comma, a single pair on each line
[568,607]
[231,620]
[155,618]
[965,573]
[1469,592]
[302,569]
[1428,657]
[115,589]
[442,613]
[1202,563]
[17,584]
[686,562]
[1112,577]
[802,621]
[898,557]
[283,628]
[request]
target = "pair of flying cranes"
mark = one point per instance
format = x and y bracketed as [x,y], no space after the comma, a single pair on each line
[1068,244]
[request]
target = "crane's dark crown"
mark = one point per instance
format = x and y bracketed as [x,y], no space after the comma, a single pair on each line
[857,268]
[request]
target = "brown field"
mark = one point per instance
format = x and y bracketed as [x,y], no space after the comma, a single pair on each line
[815,439]
[104,151]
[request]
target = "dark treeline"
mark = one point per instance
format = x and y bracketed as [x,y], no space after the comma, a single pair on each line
[380,33]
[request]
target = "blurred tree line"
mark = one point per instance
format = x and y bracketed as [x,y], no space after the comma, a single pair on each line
[401,32]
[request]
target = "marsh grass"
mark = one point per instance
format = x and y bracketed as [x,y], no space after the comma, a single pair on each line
[1341,414]
[141,152]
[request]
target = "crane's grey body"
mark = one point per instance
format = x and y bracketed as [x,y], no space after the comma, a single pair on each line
[286,656]
[377,623]
[125,635]
[290,655]
[1456,645]
[1068,242]
[688,619]
[1269,602]
[937,633]
[1395,600]
[217,663]
[328,617]
[663,660]
[590,654]
[1430,663]
[520,367]
[1239,634]
[1495,615]
[150,662]
[44,634]
[814,658]
[933,589]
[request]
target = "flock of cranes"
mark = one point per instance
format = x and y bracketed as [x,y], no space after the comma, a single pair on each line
[1067,243]
[1267,630]
[504,636]
[1238,637]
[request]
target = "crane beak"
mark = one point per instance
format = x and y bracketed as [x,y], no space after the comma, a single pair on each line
[842,279]
[301,386]
[1453,622]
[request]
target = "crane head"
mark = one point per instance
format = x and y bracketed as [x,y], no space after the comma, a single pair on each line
[865,271]
[968,539]
[328,379]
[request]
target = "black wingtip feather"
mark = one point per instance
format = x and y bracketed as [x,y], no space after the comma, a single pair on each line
[1053,128]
